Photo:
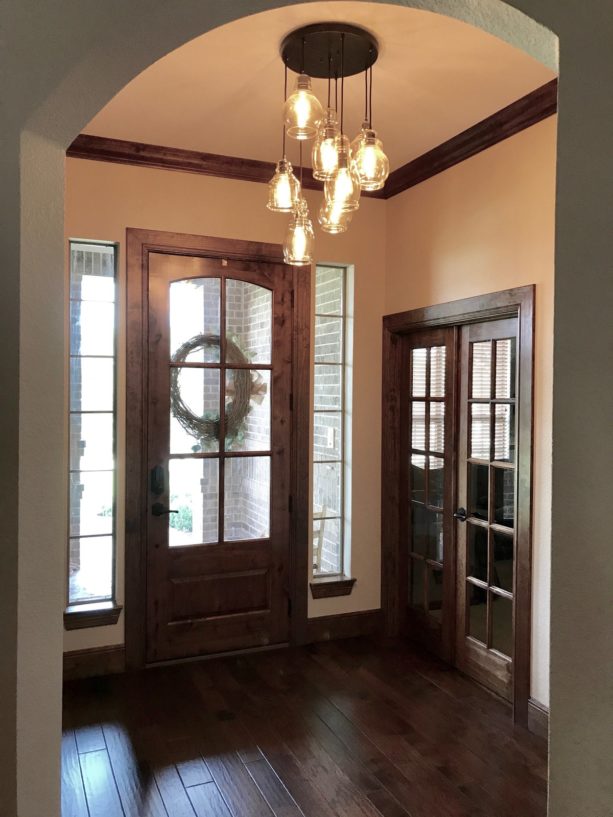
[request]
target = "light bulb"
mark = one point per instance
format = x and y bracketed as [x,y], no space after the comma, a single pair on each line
[332,220]
[325,150]
[298,245]
[371,163]
[342,191]
[283,189]
[302,112]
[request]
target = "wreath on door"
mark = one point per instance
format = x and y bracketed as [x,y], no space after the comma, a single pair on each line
[247,387]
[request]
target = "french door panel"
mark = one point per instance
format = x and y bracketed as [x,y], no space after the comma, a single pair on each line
[219,383]
[487,491]
[428,522]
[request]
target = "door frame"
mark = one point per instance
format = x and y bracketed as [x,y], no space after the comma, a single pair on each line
[512,303]
[139,243]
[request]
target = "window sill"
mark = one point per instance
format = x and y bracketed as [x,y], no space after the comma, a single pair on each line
[325,587]
[80,616]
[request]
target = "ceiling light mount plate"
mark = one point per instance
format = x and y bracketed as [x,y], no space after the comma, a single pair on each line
[316,50]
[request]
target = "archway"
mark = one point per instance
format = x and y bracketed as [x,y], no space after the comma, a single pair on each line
[82,55]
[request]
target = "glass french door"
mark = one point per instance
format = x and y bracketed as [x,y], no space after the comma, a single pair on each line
[218,440]
[487,490]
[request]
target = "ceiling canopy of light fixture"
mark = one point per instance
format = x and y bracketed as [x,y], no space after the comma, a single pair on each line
[328,50]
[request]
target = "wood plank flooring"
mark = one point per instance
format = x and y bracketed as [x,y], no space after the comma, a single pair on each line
[339,729]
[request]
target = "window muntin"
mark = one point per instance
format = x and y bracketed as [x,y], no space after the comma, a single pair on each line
[92,423]
[329,420]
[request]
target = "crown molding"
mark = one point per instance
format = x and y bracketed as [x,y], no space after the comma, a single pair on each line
[530,109]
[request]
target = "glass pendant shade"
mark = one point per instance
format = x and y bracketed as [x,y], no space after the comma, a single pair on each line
[302,112]
[300,238]
[342,191]
[325,150]
[372,165]
[332,220]
[283,189]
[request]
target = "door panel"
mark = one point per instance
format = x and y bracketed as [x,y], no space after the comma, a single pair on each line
[487,500]
[219,517]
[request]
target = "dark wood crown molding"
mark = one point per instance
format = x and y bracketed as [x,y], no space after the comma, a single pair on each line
[530,109]
[527,111]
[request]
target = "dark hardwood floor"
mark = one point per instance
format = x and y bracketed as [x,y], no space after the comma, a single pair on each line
[339,729]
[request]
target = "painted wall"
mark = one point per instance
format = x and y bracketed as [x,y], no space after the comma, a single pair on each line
[485,225]
[103,199]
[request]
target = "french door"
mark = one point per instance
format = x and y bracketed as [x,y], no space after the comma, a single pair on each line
[457,449]
[219,363]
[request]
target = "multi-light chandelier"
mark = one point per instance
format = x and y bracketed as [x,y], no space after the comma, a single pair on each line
[331,51]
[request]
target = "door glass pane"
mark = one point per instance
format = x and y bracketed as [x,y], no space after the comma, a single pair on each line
[327,487]
[417,583]
[327,436]
[504,433]
[194,410]
[419,530]
[91,503]
[505,368]
[247,410]
[91,442]
[419,363]
[92,328]
[482,370]
[503,561]
[435,536]
[194,493]
[418,477]
[328,340]
[328,387]
[194,319]
[247,498]
[437,371]
[480,431]
[477,612]
[478,490]
[437,427]
[435,592]
[436,483]
[90,569]
[92,383]
[418,421]
[476,538]
[248,322]
[502,624]
[504,496]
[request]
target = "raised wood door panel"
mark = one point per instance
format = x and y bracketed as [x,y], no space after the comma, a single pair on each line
[487,503]
[218,522]
[429,364]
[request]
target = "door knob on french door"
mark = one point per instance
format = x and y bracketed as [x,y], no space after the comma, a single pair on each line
[157,509]
[461,514]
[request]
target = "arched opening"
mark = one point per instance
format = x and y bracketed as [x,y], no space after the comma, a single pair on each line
[76,87]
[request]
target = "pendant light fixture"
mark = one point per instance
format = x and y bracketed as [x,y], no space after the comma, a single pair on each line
[284,189]
[328,51]
[371,163]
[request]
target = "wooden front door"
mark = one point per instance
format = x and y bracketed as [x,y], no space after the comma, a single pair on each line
[218,454]
[487,501]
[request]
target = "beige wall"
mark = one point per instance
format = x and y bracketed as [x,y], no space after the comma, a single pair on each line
[485,225]
[103,199]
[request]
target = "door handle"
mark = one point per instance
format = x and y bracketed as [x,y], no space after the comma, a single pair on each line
[157,509]
[461,515]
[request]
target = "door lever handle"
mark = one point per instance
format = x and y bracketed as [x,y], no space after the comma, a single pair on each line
[157,509]
[461,514]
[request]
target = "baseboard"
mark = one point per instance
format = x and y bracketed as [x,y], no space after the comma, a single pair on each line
[344,625]
[94,661]
[538,718]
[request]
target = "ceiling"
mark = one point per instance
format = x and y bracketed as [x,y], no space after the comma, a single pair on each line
[223,92]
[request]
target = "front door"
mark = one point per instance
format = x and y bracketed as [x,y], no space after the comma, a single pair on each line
[218,454]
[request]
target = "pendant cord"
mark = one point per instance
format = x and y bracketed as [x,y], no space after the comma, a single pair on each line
[303,41]
[370,100]
[329,77]
[336,92]
[366,94]
[284,101]
[342,80]
[301,188]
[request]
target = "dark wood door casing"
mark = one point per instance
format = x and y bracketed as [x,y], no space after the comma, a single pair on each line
[515,303]
[140,244]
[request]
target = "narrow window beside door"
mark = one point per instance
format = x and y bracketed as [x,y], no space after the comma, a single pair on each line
[92,425]
[330,422]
